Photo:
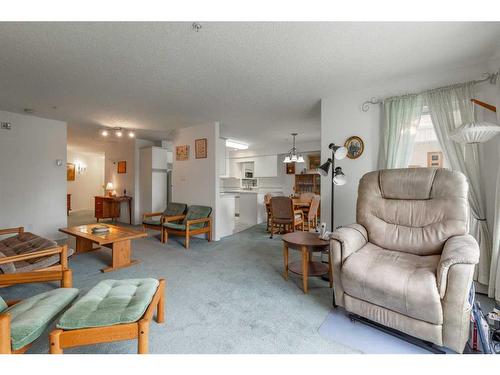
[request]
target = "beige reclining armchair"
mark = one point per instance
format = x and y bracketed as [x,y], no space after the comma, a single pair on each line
[408,262]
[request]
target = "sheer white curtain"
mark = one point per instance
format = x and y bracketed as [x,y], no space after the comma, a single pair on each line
[401,119]
[494,285]
[450,107]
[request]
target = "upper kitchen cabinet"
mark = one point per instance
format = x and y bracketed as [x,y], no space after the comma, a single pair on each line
[265,166]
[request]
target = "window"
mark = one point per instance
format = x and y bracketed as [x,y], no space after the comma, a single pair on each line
[427,151]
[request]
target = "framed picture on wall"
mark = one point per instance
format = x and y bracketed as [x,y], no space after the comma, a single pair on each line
[200,148]
[122,166]
[182,152]
[70,172]
[435,159]
[290,168]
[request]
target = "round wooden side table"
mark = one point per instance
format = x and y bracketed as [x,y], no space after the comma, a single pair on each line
[307,243]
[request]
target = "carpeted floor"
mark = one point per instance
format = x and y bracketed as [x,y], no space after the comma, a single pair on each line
[222,297]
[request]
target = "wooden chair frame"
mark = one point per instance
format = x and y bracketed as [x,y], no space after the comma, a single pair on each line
[153,227]
[62,274]
[288,226]
[188,232]
[60,339]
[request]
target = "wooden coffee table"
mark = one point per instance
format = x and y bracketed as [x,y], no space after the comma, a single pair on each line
[307,243]
[117,239]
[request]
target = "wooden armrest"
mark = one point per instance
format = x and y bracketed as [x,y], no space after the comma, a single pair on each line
[173,218]
[300,212]
[152,214]
[197,221]
[12,302]
[37,254]
[18,230]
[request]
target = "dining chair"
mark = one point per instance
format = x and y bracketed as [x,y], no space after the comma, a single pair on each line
[283,215]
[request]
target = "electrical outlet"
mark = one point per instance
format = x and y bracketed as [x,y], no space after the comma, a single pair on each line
[6,125]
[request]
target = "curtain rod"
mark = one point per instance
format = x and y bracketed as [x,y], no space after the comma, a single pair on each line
[491,77]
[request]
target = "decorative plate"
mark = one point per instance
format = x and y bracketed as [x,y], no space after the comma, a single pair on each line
[355,147]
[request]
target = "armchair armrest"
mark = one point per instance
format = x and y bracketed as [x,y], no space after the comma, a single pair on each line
[165,219]
[151,214]
[457,250]
[198,221]
[17,230]
[34,255]
[351,238]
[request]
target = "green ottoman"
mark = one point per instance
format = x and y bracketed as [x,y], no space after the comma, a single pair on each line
[114,310]
[23,322]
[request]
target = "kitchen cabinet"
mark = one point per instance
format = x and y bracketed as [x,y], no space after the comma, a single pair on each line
[266,166]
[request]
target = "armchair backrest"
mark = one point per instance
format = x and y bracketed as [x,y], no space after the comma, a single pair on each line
[197,212]
[175,209]
[413,210]
[282,208]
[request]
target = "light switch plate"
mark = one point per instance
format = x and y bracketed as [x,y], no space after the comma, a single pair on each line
[6,125]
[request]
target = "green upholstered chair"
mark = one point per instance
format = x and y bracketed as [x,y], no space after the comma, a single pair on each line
[196,221]
[154,220]
[22,322]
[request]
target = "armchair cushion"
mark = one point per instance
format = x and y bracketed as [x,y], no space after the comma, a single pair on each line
[3,305]
[152,222]
[401,282]
[197,212]
[30,317]
[457,250]
[175,209]
[110,302]
[182,227]
[26,243]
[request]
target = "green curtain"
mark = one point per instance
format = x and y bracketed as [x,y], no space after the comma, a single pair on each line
[450,107]
[401,119]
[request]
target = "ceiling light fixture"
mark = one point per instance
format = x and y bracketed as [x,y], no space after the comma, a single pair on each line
[104,133]
[293,156]
[236,145]
[118,132]
[131,134]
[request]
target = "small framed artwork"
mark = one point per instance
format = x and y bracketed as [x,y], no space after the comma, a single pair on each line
[355,147]
[200,148]
[122,166]
[182,152]
[435,159]
[70,172]
[290,168]
[314,161]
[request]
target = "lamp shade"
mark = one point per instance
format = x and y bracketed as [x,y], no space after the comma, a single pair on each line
[109,186]
[475,132]
[339,177]
[324,168]
[287,160]
[300,159]
[340,153]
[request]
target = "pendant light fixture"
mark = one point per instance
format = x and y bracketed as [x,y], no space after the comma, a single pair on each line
[293,156]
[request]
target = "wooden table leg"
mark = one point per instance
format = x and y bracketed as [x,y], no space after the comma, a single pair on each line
[330,268]
[121,256]
[83,245]
[305,267]
[285,259]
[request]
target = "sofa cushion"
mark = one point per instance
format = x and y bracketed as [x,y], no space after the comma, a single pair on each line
[175,209]
[109,303]
[30,317]
[3,305]
[398,281]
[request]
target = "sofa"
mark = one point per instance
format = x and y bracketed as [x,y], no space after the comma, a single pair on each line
[408,262]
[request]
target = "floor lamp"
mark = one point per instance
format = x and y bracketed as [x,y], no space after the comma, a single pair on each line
[338,177]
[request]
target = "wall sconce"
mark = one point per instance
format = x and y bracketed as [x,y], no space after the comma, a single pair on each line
[80,167]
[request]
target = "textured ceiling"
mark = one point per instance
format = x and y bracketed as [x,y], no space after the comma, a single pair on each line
[260,80]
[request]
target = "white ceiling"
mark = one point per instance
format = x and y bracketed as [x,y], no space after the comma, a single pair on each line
[262,81]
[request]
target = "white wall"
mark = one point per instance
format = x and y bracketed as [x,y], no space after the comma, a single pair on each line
[87,184]
[128,150]
[32,186]
[196,181]
[341,117]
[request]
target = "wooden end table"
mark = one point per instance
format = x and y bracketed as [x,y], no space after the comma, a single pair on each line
[307,243]
[117,239]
